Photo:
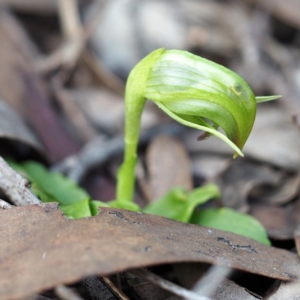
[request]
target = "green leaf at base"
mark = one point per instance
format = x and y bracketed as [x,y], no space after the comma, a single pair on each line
[230,220]
[77,210]
[179,205]
[54,187]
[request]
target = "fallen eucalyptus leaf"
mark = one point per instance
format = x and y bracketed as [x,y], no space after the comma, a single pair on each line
[40,248]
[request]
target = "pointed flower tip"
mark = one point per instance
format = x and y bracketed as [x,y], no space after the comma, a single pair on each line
[236,154]
[260,99]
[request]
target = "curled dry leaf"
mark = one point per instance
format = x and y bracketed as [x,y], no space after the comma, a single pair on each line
[40,248]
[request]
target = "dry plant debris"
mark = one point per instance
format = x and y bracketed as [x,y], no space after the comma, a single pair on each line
[44,249]
[163,173]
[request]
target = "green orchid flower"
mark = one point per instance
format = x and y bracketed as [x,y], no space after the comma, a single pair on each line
[193,91]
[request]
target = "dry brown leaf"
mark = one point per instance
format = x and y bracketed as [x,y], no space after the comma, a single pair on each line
[240,178]
[14,132]
[168,165]
[281,194]
[41,249]
[283,225]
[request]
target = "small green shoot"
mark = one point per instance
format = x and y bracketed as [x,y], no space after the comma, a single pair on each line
[179,205]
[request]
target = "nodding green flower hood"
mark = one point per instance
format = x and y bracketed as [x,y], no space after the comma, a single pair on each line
[195,92]
[190,88]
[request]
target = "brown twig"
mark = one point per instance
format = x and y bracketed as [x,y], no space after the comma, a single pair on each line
[74,39]
[116,291]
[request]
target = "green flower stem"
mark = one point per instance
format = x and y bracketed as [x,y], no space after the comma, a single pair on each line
[134,105]
[125,182]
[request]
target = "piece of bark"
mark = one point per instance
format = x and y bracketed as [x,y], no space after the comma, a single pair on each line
[97,290]
[15,187]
